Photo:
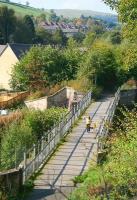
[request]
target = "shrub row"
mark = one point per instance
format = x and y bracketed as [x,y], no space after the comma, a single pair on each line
[20,136]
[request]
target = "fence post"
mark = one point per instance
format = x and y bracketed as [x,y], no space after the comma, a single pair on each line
[15,158]
[34,154]
[42,146]
[25,162]
[42,143]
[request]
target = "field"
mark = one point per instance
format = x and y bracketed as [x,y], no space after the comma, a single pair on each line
[25,10]
[22,9]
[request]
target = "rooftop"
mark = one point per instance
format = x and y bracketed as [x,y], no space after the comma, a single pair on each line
[18,49]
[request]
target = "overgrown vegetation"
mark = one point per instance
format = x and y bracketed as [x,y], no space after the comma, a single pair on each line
[19,136]
[115,178]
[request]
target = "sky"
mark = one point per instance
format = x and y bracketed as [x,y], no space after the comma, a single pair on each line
[95,5]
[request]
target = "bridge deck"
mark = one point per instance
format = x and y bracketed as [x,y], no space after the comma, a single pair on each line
[72,158]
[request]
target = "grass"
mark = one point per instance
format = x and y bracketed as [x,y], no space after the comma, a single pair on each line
[22,9]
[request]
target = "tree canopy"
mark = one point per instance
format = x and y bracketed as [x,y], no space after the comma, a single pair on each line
[7,23]
[127,10]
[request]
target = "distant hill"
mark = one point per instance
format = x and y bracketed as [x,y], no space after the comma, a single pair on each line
[22,9]
[77,13]
[25,10]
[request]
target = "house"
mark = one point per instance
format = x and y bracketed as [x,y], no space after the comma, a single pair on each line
[10,54]
[68,29]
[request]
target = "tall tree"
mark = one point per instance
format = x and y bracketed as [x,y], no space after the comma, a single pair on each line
[7,22]
[100,64]
[89,39]
[25,31]
[29,23]
[73,55]
[59,38]
[127,10]
[40,68]
[43,36]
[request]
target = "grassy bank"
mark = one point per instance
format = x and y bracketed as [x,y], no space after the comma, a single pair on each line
[22,9]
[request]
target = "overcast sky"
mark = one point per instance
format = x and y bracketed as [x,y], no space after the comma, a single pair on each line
[95,5]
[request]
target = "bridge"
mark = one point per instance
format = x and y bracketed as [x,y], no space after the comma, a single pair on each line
[76,153]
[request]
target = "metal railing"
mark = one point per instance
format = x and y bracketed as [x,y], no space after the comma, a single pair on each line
[104,126]
[41,151]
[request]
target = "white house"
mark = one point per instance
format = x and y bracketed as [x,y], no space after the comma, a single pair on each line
[10,54]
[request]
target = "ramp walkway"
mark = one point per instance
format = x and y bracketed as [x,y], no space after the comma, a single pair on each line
[73,157]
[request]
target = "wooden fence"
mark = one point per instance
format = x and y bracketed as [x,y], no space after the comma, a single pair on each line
[17,97]
[14,116]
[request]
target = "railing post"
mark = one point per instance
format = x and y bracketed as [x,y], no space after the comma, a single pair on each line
[34,155]
[42,146]
[25,162]
[42,143]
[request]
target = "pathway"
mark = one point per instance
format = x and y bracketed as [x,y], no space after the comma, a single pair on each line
[72,158]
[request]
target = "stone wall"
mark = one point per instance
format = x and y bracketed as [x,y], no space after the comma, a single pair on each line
[11,181]
[128,97]
[39,104]
[62,98]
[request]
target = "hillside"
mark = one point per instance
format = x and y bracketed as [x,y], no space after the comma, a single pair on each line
[23,10]
[77,13]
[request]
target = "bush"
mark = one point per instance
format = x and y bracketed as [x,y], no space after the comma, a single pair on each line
[17,138]
[20,136]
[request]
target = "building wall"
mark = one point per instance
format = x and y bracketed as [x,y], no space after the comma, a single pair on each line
[7,61]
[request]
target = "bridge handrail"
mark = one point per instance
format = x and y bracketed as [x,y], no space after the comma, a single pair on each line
[41,151]
[103,129]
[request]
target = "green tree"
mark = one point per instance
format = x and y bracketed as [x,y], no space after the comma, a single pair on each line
[43,36]
[100,64]
[79,37]
[128,16]
[73,56]
[41,18]
[59,38]
[30,24]
[25,30]
[97,28]
[115,37]
[7,22]
[128,54]
[41,67]
[89,39]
